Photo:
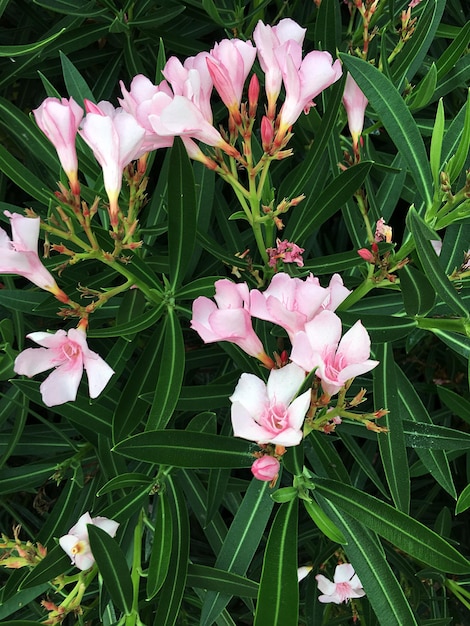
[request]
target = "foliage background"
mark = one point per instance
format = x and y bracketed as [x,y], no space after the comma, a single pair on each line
[213,523]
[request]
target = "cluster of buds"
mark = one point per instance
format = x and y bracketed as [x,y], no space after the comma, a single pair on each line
[16,553]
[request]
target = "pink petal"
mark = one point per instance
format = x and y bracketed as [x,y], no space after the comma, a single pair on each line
[244,425]
[62,384]
[325,585]
[284,383]
[343,573]
[251,393]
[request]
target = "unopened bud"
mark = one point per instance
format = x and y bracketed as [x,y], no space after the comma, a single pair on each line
[253,95]
[367,255]
[267,133]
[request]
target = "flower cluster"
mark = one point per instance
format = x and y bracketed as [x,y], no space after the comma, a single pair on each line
[273,412]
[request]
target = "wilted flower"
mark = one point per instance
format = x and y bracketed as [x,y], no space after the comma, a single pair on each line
[69,354]
[346,585]
[268,413]
[76,543]
[287,252]
[383,232]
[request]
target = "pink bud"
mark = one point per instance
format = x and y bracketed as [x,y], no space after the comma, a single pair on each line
[253,95]
[266,468]
[366,254]
[267,133]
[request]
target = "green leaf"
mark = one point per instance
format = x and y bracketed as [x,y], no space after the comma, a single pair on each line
[397,119]
[23,178]
[460,345]
[456,163]
[392,444]
[112,566]
[143,379]
[418,293]
[202,397]
[401,530]
[130,479]
[216,579]
[181,212]
[452,53]
[83,8]
[278,595]
[240,544]
[161,546]
[169,381]
[432,457]
[424,91]
[327,203]
[367,557]
[21,50]
[211,10]
[463,502]
[458,405]
[323,522]
[432,437]
[181,448]
[76,85]
[430,262]
[172,591]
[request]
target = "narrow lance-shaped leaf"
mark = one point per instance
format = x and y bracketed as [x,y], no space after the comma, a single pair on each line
[112,566]
[397,119]
[401,530]
[182,208]
[169,381]
[161,547]
[418,294]
[431,265]
[392,444]
[368,559]
[181,448]
[278,595]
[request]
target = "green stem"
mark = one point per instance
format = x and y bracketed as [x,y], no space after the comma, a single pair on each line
[135,573]
[454,325]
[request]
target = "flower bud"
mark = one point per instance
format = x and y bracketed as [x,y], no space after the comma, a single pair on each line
[267,133]
[266,468]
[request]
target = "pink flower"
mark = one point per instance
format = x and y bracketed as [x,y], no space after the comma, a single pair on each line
[59,121]
[68,353]
[292,302]
[303,81]
[268,39]
[229,64]
[116,139]
[229,319]
[287,252]
[383,232]
[265,468]
[346,585]
[19,254]
[337,359]
[268,413]
[76,543]
[138,102]
[191,80]
[355,104]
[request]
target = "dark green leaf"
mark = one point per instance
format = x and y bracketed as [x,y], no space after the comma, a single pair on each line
[402,531]
[418,293]
[161,546]
[182,448]
[112,566]
[278,595]
[55,563]
[218,580]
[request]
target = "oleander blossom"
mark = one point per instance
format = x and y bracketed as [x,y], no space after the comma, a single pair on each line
[228,319]
[345,585]
[355,104]
[287,252]
[336,359]
[68,353]
[292,302]
[59,121]
[19,255]
[268,413]
[77,544]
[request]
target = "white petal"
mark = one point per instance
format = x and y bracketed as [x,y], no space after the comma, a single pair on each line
[284,383]
[251,393]
[245,427]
